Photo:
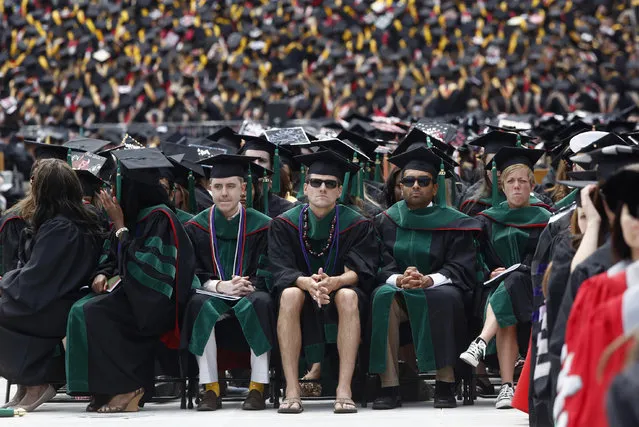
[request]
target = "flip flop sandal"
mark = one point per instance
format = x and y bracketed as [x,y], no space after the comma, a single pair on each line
[286,407]
[343,401]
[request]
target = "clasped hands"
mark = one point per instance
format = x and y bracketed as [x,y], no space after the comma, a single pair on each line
[413,279]
[320,286]
[238,286]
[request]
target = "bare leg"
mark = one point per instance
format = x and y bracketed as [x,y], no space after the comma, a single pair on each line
[289,334]
[490,325]
[348,337]
[507,352]
[408,356]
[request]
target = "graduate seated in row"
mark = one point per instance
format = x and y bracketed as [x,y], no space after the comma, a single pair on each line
[112,336]
[511,231]
[235,310]
[324,258]
[428,270]
[36,297]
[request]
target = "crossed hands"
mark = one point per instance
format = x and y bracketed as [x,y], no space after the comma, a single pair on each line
[238,286]
[413,279]
[320,286]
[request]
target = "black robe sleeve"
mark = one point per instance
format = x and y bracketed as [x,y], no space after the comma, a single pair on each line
[459,260]
[10,229]
[362,256]
[62,261]
[108,263]
[283,263]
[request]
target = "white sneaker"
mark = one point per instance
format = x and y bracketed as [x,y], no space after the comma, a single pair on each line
[505,397]
[475,352]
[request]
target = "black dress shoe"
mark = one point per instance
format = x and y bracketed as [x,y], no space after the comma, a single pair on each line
[445,395]
[254,401]
[209,401]
[389,399]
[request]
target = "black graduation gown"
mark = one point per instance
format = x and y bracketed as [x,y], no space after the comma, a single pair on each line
[358,250]
[255,313]
[36,299]
[157,268]
[203,199]
[621,402]
[435,240]
[277,205]
[597,263]
[11,226]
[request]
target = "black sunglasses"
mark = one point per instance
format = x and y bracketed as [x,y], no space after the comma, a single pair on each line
[422,181]
[317,183]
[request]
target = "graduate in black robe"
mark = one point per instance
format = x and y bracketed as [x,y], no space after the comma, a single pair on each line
[428,273]
[36,297]
[230,243]
[112,337]
[11,226]
[324,259]
[510,234]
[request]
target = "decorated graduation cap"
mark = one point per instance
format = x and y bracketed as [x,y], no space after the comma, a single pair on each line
[494,140]
[593,140]
[90,145]
[607,160]
[619,187]
[141,165]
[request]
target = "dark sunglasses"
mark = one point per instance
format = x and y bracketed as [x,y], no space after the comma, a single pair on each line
[317,183]
[422,181]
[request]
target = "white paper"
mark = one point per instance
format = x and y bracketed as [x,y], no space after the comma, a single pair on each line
[500,275]
[216,295]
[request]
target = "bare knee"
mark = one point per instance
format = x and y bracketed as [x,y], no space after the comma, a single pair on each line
[346,301]
[291,300]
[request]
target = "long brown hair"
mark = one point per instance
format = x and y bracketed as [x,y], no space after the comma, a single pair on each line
[57,191]
[559,191]
[26,207]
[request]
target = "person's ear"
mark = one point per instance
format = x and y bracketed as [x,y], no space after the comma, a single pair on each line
[435,189]
[306,187]
[244,183]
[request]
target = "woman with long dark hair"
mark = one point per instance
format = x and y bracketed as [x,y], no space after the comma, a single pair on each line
[36,298]
[113,337]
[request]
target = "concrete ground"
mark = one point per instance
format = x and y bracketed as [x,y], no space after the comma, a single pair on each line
[316,413]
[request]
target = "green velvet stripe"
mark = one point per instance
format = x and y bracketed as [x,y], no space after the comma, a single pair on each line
[204,323]
[77,354]
[502,306]
[417,308]
[169,251]
[251,326]
[568,200]
[379,336]
[430,218]
[154,262]
[144,279]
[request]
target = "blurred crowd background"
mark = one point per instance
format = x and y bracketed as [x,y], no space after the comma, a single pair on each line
[75,63]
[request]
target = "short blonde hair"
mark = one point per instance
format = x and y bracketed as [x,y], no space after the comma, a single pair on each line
[513,168]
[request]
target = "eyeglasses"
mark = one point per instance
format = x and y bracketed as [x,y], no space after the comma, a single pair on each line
[317,183]
[422,181]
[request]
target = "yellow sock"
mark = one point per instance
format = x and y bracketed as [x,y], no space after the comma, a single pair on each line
[215,387]
[256,386]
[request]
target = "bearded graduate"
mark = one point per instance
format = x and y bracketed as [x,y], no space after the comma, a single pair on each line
[112,337]
[237,312]
[511,231]
[324,259]
[35,298]
[429,266]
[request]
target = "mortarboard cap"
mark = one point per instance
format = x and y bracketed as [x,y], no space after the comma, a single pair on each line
[142,164]
[608,160]
[509,156]
[228,165]
[618,189]
[227,137]
[421,159]
[365,145]
[87,144]
[327,163]
[344,148]
[580,179]
[495,140]
[48,151]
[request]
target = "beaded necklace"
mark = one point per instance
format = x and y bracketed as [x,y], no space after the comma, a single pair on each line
[332,244]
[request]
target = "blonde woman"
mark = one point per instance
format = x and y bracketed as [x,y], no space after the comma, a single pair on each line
[511,230]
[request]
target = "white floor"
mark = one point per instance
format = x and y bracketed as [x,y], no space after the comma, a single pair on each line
[483,413]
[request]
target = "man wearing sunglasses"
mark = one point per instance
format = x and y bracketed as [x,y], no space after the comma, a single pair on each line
[428,268]
[324,260]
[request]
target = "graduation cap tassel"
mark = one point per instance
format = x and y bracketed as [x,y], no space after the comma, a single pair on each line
[441,184]
[495,187]
[428,143]
[192,201]
[354,188]
[276,171]
[69,161]
[300,191]
[378,169]
[345,188]
[265,182]
[518,141]
[360,180]
[249,189]
[118,183]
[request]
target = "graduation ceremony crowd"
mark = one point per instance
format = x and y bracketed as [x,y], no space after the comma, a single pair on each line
[75,63]
[326,257]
